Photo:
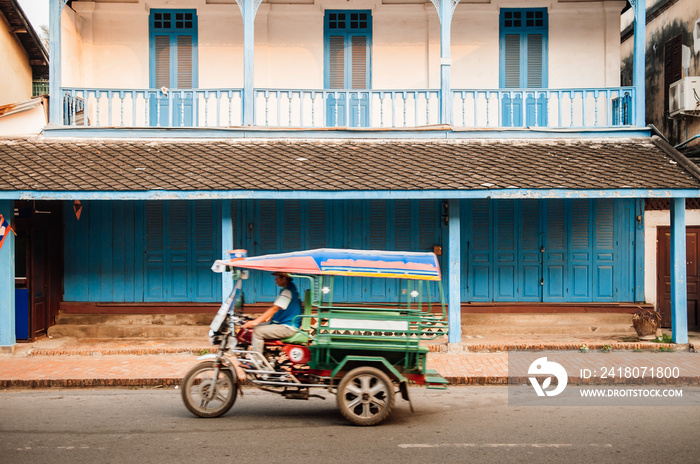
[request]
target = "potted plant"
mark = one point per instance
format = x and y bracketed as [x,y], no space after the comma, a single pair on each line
[646,322]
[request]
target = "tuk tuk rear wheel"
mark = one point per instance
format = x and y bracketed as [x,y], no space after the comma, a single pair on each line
[206,396]
[365,396]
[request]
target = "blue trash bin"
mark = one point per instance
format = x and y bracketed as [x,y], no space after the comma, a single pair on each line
[22,313]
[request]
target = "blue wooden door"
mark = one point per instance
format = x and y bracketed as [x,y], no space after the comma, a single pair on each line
[182,240]
[554,255]
[347,44]
[478,238]
[530,251]
[549,250]
[173,50]
[580,251]
[506,252]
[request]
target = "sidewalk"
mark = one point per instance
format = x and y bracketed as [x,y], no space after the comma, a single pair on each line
[67,362]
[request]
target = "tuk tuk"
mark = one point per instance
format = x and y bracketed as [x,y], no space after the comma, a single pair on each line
[364,353]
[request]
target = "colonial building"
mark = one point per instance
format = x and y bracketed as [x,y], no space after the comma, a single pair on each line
[495,133]
[672,93]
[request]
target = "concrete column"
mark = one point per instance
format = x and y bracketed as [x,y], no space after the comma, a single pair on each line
[7,280]
[679,295]
[55,100]
[226,245]
[639,61]
[454,294]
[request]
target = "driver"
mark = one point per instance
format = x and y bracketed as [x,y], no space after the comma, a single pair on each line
[278,321]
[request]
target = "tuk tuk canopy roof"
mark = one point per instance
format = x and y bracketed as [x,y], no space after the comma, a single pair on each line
[341,262]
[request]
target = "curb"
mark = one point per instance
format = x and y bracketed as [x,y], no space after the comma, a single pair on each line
[120,351]
[83,383]
[646,346]
[484,348]
[170,382]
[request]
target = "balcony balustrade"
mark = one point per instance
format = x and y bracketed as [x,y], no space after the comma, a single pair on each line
[391,109]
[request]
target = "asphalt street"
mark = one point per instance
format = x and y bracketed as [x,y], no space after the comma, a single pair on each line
[462,424]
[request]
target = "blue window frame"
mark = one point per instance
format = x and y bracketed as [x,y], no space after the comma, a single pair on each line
[523,64]
[621,110]
[348,58]
[173,65]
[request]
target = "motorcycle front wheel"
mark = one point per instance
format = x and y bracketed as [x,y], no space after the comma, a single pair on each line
[206,396]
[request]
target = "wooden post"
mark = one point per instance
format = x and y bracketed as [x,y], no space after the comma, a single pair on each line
[454,306]
[226,245]
[679,292]
[248,8]
[55,100]
[639,61]
[7,279]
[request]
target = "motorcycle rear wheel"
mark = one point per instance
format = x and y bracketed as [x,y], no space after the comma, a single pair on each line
[365,396]
[197,394]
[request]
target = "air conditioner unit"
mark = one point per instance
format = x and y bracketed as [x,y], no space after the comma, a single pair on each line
[684,97]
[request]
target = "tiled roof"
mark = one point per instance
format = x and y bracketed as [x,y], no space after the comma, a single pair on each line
[42,164]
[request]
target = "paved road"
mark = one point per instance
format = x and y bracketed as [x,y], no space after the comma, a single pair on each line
[462,424]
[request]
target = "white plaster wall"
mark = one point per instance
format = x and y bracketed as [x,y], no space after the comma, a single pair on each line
[475,47]
[16,73]
[400,42]
[72,63]
[289,44]
[294,49]
[220,45]
[653,220]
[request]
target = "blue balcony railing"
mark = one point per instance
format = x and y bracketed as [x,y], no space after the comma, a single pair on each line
[299,108]
[155,107]
[554,108]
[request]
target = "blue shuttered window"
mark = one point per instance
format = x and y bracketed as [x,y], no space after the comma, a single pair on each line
[347,57]
[551,251]
[523,63]
[173,63]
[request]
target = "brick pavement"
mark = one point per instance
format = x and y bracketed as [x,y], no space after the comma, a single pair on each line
[87,363]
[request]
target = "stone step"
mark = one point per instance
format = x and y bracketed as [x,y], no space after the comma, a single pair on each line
[546,319]
[197,325]
[558,329]
[128,331]
[134,319]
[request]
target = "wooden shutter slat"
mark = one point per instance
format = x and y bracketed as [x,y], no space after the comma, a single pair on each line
[292,225]
[337,62]
[162,64]
[534,61]
[317,224]
[184,62]
[359,62]
[178,226]
[672,64]
[377,225]
[512,61]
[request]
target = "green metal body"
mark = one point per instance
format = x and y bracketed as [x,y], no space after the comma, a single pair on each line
[387,335]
